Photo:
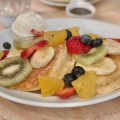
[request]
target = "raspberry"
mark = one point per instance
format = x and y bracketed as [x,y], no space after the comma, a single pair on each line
[74,45]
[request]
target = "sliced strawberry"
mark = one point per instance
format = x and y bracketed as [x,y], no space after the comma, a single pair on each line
[29,51]
[37,33]
[5,54]
[75,46]
[116,39]
[65,93]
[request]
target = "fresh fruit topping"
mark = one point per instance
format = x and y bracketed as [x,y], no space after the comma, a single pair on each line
[92,56]
[14,52]
[56,37]
[49,86]
[78,71]
[5,54]
[75,46]
[85,85]
[26,42]
[14,70]
[116,39]
[68,78]
[1,54]
[103,66]
[97,42]
[69,34]
[7,45]
[74,30]
[29,51]
[86,39]
[93,36]
[113,47]
[42,57]
[37,33]
[65,93]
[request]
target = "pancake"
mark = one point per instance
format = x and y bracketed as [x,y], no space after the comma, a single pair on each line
[111,82]
[61,64]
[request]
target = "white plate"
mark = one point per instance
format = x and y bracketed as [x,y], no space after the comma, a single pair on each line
[87,26]
[93,1]
[61,3]
[52,3]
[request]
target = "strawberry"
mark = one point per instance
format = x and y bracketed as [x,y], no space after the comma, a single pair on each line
[116,39]
[37,33]
[29,51]
[75,46]
[65,93]
[5,54]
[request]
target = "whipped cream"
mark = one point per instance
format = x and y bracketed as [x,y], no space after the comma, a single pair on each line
[24,23]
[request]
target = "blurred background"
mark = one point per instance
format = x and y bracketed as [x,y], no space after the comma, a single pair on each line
[106,10]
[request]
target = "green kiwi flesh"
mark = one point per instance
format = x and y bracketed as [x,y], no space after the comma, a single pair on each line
[92,56]
[14,70]
[26,42]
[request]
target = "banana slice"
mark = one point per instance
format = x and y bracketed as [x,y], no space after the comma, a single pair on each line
[113,47]
[42,57]
[102,67]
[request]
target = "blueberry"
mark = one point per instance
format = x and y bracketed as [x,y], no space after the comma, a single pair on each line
[86,39]
[97,42]
[68,78]
[78,71]
[7,45]
[69,34]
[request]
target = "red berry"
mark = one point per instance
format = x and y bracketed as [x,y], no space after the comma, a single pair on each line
[65,93]
[29,51]
[75,46]
[5,54]
[37,33]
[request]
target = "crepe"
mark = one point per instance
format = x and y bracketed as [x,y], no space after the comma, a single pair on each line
[61,64]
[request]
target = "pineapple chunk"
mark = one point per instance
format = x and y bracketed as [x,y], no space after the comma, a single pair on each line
[49,86]
[85,85]
[93,36]
[56,37]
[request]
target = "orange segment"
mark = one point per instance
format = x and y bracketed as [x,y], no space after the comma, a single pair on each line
[49,85]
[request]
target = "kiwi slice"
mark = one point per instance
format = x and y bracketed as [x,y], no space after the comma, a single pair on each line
[14,70]
[92,56]
[26,42]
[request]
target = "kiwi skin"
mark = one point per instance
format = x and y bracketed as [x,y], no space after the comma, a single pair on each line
[14,70]
[92,56]
[26,42]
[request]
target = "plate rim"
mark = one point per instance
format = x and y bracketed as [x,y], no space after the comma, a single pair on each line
[63,105]
[56,4]
[63,4]
[60,105]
